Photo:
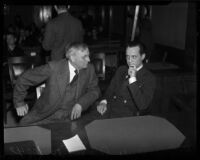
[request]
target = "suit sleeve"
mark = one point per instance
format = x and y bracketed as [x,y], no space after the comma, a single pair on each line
[29,78]
[142,93]
[112,86]
[92,92]
[49,37]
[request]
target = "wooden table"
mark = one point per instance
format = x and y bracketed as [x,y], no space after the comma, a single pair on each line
[60,131]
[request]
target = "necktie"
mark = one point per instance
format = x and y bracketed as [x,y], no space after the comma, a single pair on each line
[75,76]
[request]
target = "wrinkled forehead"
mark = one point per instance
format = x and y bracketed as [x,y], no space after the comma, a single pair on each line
[133,50]
[77,49]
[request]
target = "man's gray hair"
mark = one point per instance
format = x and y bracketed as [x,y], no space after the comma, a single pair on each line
[73,47]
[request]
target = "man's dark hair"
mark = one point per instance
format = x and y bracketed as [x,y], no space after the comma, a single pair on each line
[135,44]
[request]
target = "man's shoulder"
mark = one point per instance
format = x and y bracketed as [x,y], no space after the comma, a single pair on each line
[67,16]
[64,20]
[146,72]
[57,64]
[59,18]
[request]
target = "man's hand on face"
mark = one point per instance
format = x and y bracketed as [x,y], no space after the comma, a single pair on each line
[76,111]
[22,110]
[132,71]
[101,108]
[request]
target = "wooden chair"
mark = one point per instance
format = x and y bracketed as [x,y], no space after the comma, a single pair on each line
[32,51]
[98,59]
[17,65]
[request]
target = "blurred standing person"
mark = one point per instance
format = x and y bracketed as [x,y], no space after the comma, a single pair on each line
[61,31]
[12,49]
[88,23]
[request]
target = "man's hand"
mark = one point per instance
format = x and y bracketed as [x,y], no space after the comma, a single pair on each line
[22,110]
[132,71]
[76,111]
[101,108]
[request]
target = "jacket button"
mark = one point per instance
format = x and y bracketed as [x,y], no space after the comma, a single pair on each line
[125,101]
[114,97]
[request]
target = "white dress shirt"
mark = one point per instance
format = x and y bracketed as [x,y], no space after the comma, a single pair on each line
[71,71]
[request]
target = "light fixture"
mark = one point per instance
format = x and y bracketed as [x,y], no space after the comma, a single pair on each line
[6,9]
[45,13]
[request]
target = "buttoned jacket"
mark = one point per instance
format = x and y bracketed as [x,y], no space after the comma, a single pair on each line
[134,97]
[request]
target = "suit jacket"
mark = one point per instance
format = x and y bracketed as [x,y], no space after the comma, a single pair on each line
[61,31]
[55,74]
[130,99]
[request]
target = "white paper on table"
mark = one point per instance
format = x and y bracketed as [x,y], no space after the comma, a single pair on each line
[74,144]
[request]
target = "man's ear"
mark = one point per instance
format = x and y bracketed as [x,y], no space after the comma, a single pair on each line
[72,56]
[143,56]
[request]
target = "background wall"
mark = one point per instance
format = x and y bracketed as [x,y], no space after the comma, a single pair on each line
[169,24]
[25,11]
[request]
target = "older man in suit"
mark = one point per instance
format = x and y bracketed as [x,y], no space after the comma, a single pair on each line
[131,89]
[61,31]
[66,94]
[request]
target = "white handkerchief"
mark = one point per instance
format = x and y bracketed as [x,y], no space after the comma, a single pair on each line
[74,144]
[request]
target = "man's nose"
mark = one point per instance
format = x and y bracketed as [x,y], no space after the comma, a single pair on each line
[88,59]
[129,60]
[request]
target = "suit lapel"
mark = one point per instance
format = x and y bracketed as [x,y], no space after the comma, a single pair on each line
[63,77]
[80,81]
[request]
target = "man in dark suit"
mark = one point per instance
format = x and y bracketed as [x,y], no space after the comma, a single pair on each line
[61,31]
[131,89]
[66,94]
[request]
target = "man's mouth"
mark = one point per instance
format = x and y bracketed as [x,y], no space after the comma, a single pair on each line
[131,65]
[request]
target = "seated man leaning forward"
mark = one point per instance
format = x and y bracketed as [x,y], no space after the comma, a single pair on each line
[64,97]
[132,87]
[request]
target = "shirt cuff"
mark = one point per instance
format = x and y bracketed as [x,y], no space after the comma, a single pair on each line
[103,101]
[132,79]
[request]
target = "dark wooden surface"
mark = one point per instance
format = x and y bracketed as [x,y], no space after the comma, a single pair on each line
[184,121]
[65,130]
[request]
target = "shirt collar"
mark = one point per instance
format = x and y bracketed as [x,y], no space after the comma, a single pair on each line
[139,67]
[71,68]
